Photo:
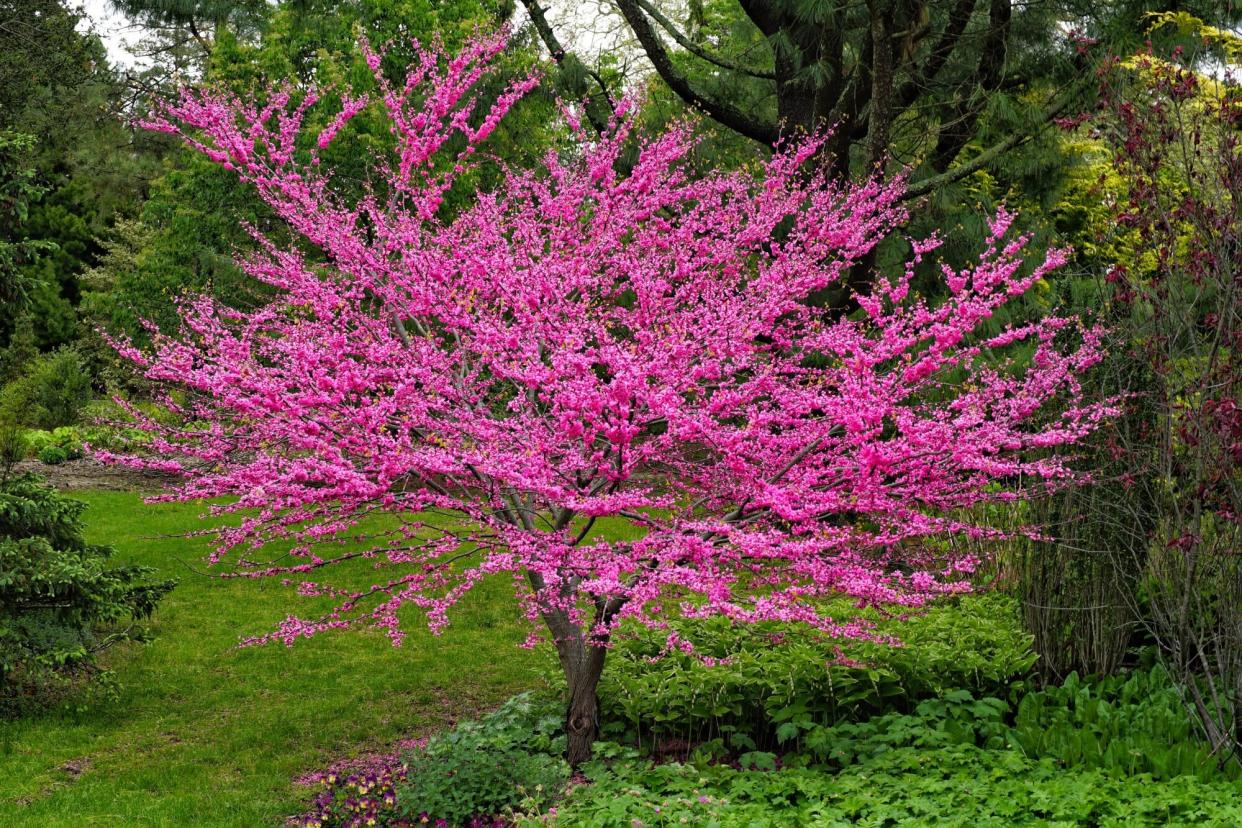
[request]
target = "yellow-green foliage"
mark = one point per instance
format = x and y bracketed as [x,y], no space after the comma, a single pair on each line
[1228,43]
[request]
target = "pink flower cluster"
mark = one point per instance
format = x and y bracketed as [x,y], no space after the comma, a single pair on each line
[582,344]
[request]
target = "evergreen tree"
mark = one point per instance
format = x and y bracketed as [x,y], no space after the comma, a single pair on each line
[86,166]
[949,87]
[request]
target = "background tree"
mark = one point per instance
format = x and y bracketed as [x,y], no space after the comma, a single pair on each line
[62,602]
[204,22]
[947,87]
[17,191]
[57,87]
[962,94]
[579,345]
[1139,557]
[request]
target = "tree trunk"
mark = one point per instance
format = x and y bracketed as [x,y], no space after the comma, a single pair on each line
[583,664]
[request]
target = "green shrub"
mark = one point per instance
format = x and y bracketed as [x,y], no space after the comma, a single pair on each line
[958,718]
[1114,752]
[14,441]
[53,455]
[106,426]
[22,350]
[509,759]
[767,675]
[66,439]
[60,601]
[37,440]
[56,387]
[74,438]
[480,773]
[14,446]
[111,437]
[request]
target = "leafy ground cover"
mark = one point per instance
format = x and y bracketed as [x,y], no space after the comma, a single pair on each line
[204,733]
[755,682]
[956,785]
[764,728]
[1087,753]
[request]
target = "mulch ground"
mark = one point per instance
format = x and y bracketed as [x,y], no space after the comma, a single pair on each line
[88,473]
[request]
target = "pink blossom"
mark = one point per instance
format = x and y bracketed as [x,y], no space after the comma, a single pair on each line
[582,344]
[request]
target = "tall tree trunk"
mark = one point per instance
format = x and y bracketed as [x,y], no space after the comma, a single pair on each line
[881,116]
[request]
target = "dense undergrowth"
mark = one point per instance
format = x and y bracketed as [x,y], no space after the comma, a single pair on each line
[773,726]
[754,682]
[956,785]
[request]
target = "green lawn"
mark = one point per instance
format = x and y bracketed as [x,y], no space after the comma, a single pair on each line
[204,733]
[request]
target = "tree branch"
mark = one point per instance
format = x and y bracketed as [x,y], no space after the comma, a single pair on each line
[939,56]
[985,158]
[557,50]
[697,50]
[763,14]
[726,114]
[972,95]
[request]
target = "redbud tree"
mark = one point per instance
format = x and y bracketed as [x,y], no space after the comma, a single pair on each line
[582,343]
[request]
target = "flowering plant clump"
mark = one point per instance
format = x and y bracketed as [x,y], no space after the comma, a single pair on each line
[361,798]
[472,775]
[368,798]
[581,343]
[357,792]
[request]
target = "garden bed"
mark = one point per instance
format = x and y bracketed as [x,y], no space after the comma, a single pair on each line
[86,473]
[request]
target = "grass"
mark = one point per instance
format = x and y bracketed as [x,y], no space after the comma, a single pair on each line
[205,733]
